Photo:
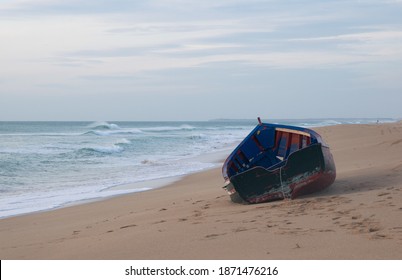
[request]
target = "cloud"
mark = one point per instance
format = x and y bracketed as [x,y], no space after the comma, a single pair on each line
[364,36]
[164,47]
[367,46]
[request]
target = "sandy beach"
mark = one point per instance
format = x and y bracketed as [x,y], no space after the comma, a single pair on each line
[358,217]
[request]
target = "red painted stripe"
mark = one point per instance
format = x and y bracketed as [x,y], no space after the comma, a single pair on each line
[257,143]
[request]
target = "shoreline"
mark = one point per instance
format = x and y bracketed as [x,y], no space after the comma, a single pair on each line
[215,158]
[358,217]
[62,197]
[142,186]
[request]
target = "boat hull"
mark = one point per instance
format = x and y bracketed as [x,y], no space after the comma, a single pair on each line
[305,171]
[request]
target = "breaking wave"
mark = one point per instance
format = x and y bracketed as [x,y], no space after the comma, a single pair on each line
[101,150]
[106,129]
[169,128]
[104,125]
[130,131]
[123,141]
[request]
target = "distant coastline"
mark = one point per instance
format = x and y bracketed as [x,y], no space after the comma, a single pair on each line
[342,120]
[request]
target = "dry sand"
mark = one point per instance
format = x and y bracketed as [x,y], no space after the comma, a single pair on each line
[358,217]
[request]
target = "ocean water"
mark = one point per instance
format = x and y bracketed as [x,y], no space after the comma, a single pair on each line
[45,165]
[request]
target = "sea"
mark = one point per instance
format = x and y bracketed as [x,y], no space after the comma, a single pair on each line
[47,165]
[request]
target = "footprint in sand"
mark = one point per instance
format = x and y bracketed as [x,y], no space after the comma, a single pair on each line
[240,229]
[326,230]
[128,226]
[396,142]
[214,235]
[206,206]
[197,213]
[198,201]
[383,193]
[380,236]
[397,229]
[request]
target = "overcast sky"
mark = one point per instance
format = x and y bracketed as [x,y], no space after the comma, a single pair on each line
[199,60]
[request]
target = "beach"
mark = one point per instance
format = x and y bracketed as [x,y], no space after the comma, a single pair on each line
[358,217]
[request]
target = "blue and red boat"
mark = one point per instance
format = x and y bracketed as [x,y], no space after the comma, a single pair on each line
[276,162]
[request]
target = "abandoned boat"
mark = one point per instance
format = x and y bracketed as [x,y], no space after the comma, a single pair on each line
[278,161]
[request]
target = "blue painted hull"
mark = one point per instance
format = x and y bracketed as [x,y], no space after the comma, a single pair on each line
[276,162]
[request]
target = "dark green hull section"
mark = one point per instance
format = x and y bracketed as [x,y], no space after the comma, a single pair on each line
[305,171]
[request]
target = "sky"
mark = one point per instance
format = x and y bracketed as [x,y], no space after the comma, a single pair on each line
[200,60]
